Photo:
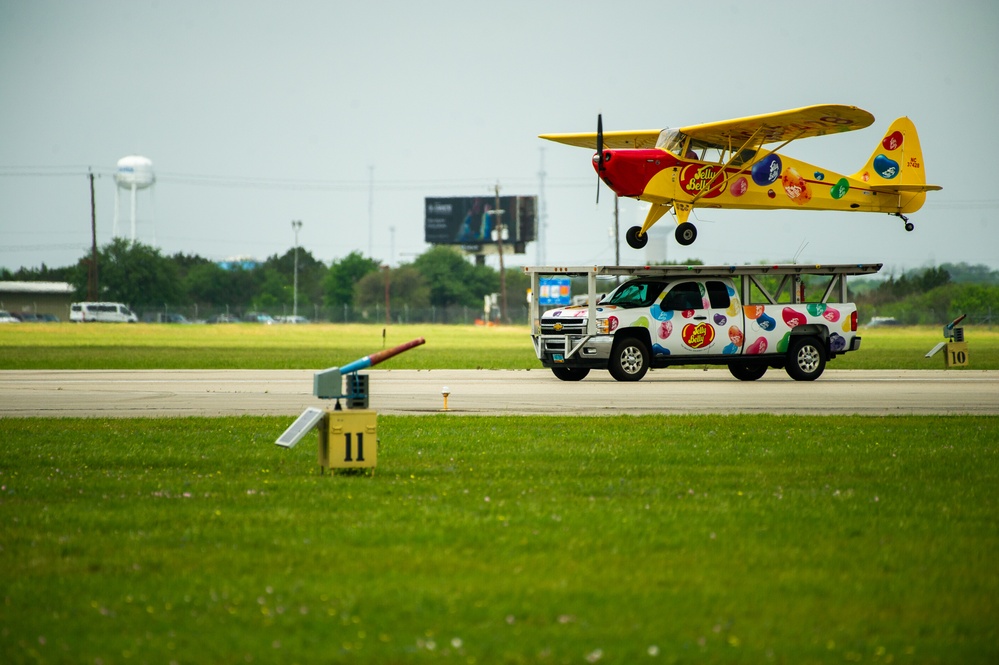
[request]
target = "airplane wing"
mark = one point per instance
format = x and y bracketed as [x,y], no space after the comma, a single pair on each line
[640,138]
[781,126]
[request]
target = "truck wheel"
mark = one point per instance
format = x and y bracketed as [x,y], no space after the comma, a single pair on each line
[747,371]
[629,360]
[805,359]
[571,373]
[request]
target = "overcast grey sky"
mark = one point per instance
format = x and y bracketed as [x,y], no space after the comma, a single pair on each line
[334,113]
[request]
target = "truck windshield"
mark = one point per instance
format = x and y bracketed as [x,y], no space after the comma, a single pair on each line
[639,293]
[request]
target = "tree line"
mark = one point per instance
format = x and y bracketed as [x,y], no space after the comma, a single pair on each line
[439,285]
[441,279]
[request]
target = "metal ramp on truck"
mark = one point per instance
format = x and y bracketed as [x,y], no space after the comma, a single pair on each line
[748,276]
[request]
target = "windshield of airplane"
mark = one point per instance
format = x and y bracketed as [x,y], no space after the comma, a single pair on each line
[637,293]
[676,142]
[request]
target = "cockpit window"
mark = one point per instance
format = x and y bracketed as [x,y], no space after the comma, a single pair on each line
[638,293]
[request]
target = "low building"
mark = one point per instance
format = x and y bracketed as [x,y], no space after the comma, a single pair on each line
[37,297]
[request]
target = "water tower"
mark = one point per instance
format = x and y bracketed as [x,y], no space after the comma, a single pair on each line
[133,173]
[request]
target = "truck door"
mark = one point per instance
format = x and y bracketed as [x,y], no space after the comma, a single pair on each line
[695,317]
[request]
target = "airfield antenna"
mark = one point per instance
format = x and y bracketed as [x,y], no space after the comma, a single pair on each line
[539,243]
[132,174]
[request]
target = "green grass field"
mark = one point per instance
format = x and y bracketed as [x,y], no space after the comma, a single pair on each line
[745,539]
[742,539]
[250,346]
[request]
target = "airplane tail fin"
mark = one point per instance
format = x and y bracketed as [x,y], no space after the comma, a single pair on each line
[896,166]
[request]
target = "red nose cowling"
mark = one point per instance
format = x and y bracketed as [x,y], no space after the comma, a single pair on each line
[627,172]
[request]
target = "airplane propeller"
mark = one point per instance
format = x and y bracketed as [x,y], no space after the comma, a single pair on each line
[600,152]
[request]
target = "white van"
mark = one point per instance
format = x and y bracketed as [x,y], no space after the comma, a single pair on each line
[108,312]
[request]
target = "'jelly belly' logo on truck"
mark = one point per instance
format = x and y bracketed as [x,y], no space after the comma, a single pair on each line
[697,336]
[697,179]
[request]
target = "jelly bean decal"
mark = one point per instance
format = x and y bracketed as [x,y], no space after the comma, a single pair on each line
[659,314]
[819,175]
[792,317]
[837,343]
[767,170]
[641,321]
[730,349]
[735,335]
[893,141]
[665,329]
[771,193]
[816,308]
[840,189]
[720,319]
[697,336]
[846,324]
[687,313]
[612,323]
[739,187]
[753,311]
[831,315]
[784,342]
[733,306]
[796,188]
[766,322]
[659,350]
[759,346]
[886,168]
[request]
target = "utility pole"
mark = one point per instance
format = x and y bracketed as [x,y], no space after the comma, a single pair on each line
[92,273]
[295,225]
[498,214]
[617,234]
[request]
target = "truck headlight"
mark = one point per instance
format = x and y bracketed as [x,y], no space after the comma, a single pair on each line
[603,326]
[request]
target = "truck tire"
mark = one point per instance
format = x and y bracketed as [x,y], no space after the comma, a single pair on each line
[629,360]
[571,373]
[747,371]
[806,359]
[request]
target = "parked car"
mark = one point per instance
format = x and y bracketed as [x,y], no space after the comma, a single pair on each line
[26,317]
[258,317]
[164,317]
[224,318]
[108,312]
[48,318]
[292,319]
[5,317]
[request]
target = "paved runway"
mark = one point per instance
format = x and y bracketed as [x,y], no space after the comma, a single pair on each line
[162,393]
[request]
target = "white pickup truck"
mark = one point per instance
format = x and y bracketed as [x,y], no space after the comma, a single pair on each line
[749,318]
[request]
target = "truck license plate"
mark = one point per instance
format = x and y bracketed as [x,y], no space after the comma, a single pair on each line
[557,357]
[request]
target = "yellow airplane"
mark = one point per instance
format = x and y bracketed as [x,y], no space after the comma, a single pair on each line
[726,165]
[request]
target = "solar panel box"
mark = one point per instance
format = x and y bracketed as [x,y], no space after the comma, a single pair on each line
[328,384]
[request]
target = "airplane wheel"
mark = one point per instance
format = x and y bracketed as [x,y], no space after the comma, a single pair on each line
[909,226]
[636,239]
[571,373]
[686,233]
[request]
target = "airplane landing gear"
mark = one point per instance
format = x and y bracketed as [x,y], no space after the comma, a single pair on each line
[686,233]
[636,239]
[908,225]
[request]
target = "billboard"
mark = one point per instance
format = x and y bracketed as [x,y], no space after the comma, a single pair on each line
[470,220]
[554,291]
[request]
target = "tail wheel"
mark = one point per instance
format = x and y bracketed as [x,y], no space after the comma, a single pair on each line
[629,360]
[806,359]
[686,233]
[571,373]
[636,239]
[747,371]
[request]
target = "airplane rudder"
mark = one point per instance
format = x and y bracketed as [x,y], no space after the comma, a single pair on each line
[897,158]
